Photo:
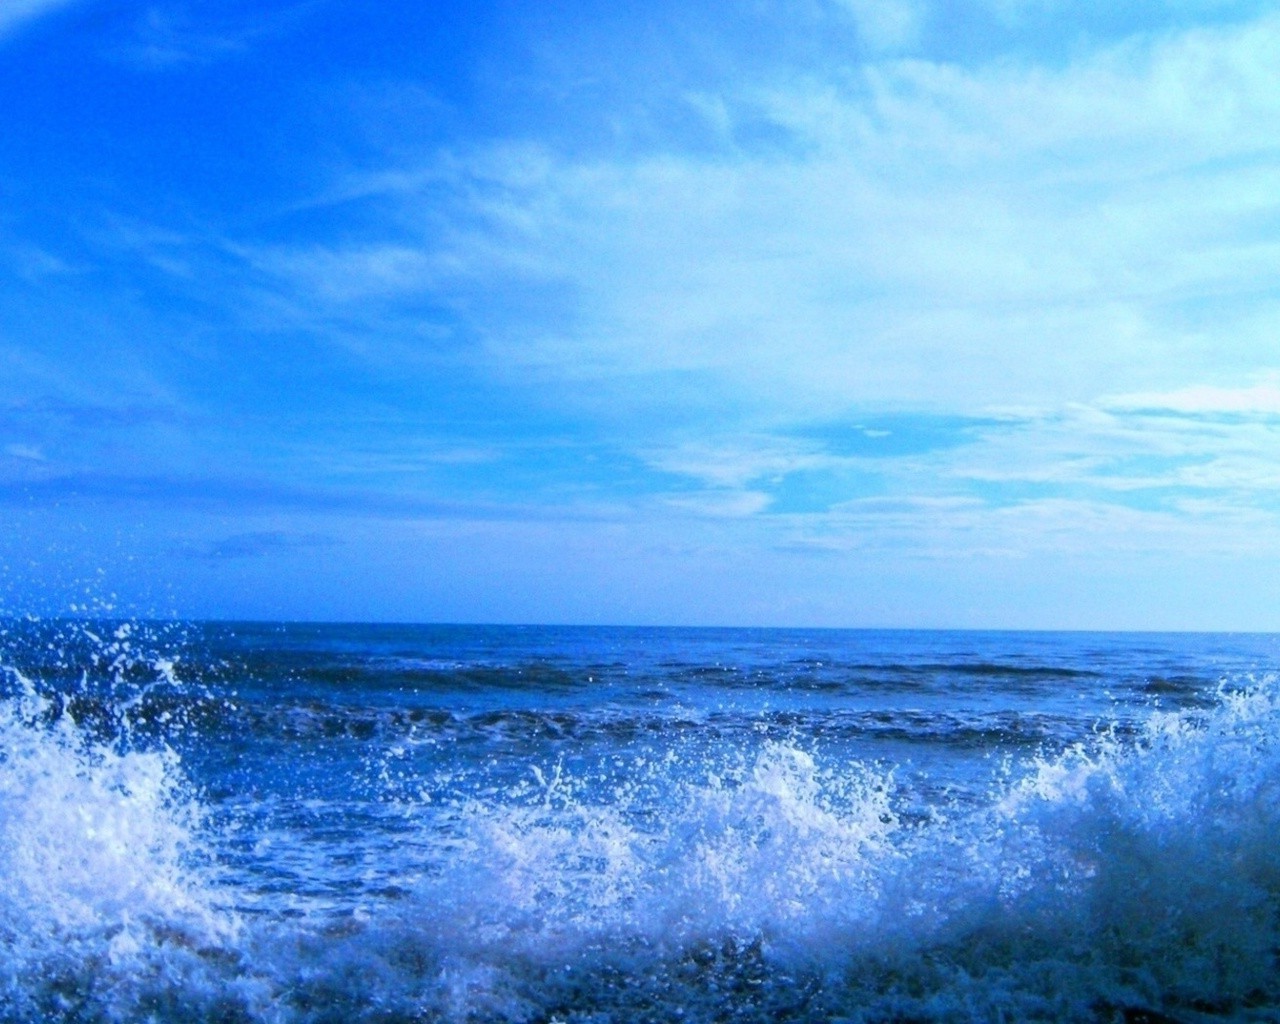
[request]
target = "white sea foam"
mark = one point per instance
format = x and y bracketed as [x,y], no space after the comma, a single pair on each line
[705,886]
[1124,874]
[100,892]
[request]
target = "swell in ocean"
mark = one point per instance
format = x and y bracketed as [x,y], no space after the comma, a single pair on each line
[203,823]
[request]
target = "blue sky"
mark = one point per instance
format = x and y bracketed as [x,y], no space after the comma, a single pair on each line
[829,312]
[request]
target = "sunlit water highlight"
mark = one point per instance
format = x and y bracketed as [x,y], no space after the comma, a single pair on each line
[288,823]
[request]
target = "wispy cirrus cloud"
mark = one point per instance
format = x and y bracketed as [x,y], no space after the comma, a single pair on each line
[944,236]
[1259,399]
[871,292]
[1002,238]
[172,36]
[16,13]
[739,461]
[929,235]
[1127,451]
[886,25]
[965,531]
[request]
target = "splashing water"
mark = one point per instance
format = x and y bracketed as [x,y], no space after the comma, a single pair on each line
[100,893]
[225,863]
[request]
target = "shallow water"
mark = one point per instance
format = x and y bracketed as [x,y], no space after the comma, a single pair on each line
[310,823]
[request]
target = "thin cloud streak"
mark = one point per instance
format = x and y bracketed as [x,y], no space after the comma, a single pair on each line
[944,237]
[826,307]
[14,14]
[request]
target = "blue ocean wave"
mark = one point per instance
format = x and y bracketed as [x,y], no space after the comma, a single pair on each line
[158,862]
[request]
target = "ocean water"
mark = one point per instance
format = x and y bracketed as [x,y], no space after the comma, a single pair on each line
[269,822]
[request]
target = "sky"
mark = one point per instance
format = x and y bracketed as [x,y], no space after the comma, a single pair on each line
[865,313]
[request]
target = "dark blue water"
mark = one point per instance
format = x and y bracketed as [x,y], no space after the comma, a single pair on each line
[350,822]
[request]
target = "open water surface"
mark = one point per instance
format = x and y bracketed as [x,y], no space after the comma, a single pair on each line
[280,823]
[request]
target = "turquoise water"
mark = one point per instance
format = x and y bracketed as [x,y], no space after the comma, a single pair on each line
[269,822]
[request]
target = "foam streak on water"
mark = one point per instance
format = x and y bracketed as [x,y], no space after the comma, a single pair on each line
[311,826]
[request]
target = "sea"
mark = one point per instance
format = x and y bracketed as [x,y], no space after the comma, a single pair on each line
[281,822]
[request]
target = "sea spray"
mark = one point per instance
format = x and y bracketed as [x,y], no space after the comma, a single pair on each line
[1126,875]
[102,895]
[300,825]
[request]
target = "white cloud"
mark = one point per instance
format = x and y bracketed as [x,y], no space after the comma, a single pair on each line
[720,504]
[886,24]
[937,237]
[737,462]
[1120,450]
[173,35]
[15,13]
[33,263]
[1081,247]
[1262,398]
[961,530]
[354,273]
[26,452]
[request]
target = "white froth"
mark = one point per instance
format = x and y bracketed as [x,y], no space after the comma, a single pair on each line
[97,862]
[1128,872]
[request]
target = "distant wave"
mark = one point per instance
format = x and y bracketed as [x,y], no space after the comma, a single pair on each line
[167,713]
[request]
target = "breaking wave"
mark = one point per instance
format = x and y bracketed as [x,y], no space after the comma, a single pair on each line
[1134,872]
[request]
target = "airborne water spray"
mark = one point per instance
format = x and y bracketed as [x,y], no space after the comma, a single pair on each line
[320,823]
